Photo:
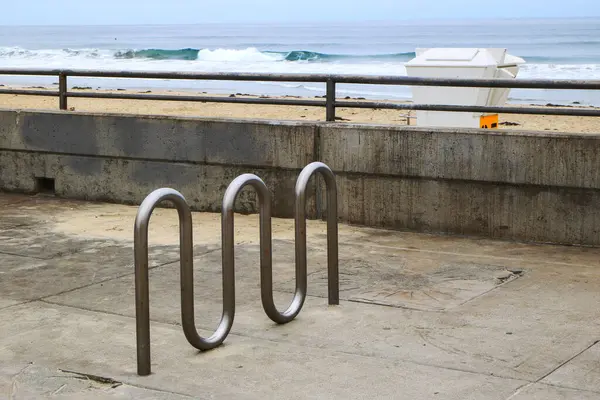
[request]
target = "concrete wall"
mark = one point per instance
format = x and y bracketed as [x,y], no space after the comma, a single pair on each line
[123,158]
[531,186]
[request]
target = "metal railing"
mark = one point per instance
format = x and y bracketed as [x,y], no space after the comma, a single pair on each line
[330,103]
[228,255]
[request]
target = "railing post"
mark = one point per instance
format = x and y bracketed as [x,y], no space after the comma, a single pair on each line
[330,100]
[62,91]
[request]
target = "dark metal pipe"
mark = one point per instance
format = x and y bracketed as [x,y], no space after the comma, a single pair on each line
[25,92]
[62,91]
[578,112]
[332,229]
[330,100]
[207,99]
[356,79]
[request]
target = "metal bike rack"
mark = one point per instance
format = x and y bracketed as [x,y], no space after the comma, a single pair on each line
[228,254]
[186,249]
[332,229]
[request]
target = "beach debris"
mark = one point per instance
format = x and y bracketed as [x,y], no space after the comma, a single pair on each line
[82,87]
[508,123]
[232,95]
[556,105]
[576,102]
[341,119]
[347,98]
[120,90]
[71,108]
[147,91]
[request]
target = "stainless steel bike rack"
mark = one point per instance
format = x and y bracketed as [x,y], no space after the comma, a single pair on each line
[332,229]
[186,248]
[228,254]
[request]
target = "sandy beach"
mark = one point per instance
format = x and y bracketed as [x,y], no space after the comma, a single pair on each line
[296,113]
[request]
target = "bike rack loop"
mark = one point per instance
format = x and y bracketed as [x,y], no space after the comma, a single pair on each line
[266,255]
[332,228]
[142,307]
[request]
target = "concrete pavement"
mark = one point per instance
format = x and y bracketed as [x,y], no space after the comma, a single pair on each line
[421,316]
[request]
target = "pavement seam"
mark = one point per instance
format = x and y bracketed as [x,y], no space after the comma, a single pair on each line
[44,298]
[8,253]
[18,304]
[569,388]
[559,366]
[112,381]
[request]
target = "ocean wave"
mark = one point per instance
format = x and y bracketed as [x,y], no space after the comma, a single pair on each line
[302,55]
[159,54]
[19,52]
[245,56]
[253,54]
[193,54]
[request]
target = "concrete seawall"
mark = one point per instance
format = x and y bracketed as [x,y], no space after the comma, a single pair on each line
[528,186]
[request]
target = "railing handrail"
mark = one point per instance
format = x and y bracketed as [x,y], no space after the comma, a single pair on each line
[562,84]
[331,80]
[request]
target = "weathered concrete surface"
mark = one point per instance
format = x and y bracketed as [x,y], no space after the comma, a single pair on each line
[227,142]
[530,186]
[537,214]
[130,181]
[421,316]
[121,159]
[527,158]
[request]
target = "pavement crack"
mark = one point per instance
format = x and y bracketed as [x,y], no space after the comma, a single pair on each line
[8,253]
[567,361]
[14,386]
[559,366]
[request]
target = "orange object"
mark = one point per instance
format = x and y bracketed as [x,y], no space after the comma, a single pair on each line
[488,121]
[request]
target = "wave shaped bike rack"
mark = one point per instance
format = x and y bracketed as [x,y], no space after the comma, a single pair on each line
[228,266]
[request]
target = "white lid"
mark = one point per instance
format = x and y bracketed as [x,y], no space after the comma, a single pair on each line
[450,54]
[457,57]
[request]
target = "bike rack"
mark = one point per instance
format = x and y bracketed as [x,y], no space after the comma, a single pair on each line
[186,249]
[332,229]
[228,255]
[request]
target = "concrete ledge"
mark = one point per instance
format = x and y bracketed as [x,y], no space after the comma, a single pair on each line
[189,140]
[130,181]
[529,186]
[529,158]
[533,213]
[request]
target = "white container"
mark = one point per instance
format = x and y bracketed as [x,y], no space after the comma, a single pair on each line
[468,63]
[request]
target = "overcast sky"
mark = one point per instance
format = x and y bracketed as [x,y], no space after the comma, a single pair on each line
[66,12]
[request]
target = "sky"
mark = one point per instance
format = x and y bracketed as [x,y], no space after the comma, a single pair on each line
[107,12]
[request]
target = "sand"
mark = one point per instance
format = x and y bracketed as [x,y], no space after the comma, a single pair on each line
[295,113]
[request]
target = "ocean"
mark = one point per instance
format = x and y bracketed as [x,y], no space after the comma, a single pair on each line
[552,48]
